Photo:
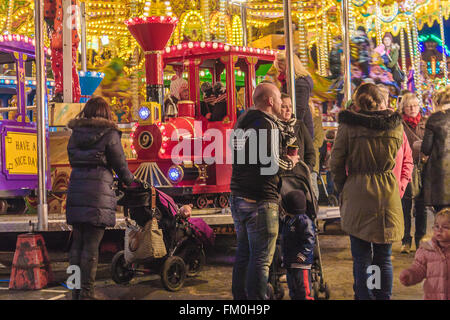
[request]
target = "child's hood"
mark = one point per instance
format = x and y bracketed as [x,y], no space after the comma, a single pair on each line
[433,246]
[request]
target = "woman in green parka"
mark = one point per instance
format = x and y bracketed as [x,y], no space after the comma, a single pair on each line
[362,160]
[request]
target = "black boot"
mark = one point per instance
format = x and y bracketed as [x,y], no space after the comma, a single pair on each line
[76,294]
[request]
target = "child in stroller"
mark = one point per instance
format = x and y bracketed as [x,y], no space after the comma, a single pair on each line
[298,179]
[183,238]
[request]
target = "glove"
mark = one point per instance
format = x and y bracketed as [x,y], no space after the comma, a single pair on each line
[142,183]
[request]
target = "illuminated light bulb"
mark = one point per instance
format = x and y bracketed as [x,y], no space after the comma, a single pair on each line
[163,151]
[227,48]
[190,45]
[168,49]
[179,46]
[215,45]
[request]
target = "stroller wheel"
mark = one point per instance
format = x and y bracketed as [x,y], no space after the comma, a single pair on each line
[173,273]
[327,292]
[316,290]
[120,272]
[194,259]
[333,201]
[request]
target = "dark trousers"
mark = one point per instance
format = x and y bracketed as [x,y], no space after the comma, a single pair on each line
[86,240]
[299,283]
[420,217]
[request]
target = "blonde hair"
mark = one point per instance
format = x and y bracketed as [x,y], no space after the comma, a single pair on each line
[299,69]
[441,98]
[445,213]
[407,97]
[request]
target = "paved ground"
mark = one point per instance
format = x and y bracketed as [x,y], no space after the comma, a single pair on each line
[214,282]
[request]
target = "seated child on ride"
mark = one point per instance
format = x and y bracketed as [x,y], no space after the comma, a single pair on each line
[297,244]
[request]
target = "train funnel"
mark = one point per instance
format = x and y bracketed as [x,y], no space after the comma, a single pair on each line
[152,34]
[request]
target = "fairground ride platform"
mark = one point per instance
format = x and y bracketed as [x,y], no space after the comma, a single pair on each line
[219,219]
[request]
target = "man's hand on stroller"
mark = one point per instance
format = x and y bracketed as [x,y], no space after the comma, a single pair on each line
[185,211]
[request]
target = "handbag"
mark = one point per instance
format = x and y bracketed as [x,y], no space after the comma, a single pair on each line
[416,180]
[144,243]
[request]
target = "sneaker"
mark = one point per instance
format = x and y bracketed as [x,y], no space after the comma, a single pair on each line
[406,248]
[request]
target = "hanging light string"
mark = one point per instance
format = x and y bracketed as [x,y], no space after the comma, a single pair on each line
[324,42]
[10,16]
[403,52]
[221,36]
[302,37]
[417,72]
[378,23]
[206,12]
[444,57]
[351,17]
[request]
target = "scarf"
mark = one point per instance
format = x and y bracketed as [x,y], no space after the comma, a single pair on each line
[282,78]
[412,121]
[287,132]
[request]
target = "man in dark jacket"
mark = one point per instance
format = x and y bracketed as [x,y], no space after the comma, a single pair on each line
[255,192]
[95,150]
[297,245]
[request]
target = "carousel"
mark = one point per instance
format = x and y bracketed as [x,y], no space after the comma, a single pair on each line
[398,43]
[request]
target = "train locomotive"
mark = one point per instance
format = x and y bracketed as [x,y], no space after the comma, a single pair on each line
[187,156]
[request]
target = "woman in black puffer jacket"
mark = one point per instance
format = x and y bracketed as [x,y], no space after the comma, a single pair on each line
[95,150]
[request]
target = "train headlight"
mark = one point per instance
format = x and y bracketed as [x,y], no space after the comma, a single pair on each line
[175,173]
[144,113]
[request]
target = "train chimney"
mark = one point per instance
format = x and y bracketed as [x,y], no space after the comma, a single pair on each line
[152,34]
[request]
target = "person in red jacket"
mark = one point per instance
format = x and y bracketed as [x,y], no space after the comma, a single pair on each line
[404,163]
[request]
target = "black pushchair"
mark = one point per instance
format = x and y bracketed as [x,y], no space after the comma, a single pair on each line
[183,241]
[299,179]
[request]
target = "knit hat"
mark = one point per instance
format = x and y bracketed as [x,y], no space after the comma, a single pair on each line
[176,85]
[295,202]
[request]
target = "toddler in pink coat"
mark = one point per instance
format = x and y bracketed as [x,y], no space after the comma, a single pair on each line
[432,261]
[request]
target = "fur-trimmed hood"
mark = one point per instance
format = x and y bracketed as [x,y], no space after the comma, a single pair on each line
[92,123]
[88,131]
[376,120]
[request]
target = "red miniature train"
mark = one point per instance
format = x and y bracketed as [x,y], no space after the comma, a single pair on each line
[187,155]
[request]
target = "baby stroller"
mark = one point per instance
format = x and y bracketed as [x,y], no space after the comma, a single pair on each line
[299,180]
[182,245]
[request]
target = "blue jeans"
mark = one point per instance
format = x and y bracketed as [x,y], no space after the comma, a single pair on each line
[364,255]
[256,225]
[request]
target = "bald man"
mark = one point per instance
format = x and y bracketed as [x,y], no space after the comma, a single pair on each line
[255,192]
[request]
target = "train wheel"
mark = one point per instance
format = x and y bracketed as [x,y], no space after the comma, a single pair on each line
[202,202]
[3,206]
[221,201]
